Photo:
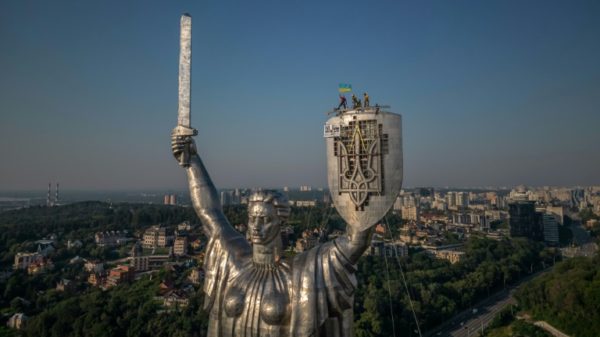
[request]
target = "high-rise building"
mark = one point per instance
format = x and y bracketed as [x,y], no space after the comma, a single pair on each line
[170,199]
[225,198]
[462,199]
[577,197]
[440,205]
[237,196]
[410,213]
[480,220]
[180,246]
[550,229]
[524,221]
[557,211]
[491,197]
[501,202]
[451,199]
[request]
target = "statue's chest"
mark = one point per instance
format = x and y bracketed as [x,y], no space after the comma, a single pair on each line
[259,298]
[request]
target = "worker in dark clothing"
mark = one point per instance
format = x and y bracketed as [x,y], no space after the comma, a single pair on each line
[355,102]
[342,102]
[366,99]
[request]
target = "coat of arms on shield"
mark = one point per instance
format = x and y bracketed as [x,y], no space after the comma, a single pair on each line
[364,164]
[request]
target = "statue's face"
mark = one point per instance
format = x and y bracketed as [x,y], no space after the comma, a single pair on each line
[263,223]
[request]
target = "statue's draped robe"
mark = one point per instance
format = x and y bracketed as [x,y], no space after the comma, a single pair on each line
[318,285]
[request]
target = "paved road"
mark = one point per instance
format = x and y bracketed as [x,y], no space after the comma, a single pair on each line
[552,330]
[469,323]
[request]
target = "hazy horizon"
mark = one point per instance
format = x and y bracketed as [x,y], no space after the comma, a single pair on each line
[492,93]
[185,189]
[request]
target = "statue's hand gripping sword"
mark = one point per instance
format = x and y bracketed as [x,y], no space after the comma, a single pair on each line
[184,128]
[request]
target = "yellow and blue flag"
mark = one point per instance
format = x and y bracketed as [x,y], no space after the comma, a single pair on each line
[345,87]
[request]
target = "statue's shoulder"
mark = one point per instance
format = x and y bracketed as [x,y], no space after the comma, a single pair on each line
[311,254]
[230,241]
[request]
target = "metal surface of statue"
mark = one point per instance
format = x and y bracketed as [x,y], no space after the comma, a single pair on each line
[364,163]
[184,119]
[251,288]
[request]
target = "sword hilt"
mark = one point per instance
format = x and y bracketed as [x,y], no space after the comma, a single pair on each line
[183,131]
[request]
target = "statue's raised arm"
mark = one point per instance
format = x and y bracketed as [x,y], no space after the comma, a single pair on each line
[354,243]
[202,190]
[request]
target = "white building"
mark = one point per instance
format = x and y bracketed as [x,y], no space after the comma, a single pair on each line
[180,246]
[440,205]
[304,203]
[17,321]
[23,260]
[155,236]
[451,255]
[110,238]
[519,193]
[387,249]
[94,266]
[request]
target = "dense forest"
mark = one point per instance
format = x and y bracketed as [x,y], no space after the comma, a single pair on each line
[438,289]
[506,324]
[127,310]
[568,297]
[20,228]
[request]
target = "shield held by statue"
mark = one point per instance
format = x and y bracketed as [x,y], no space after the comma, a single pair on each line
[364,164]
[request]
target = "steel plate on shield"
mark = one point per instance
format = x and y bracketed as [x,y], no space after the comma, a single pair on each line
[364,165]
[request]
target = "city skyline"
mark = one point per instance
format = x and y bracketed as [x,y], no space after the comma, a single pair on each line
[494,94]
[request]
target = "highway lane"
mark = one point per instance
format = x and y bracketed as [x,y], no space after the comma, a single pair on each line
[477,318]
[469,322]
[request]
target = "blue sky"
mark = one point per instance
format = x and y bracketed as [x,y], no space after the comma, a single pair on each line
[491,92]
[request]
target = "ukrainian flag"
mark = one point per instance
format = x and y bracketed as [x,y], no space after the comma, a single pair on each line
[345,87]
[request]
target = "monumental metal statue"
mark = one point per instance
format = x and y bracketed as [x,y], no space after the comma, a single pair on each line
[251,288]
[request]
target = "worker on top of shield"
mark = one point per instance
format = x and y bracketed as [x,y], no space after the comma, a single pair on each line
[355,102]
[342,102]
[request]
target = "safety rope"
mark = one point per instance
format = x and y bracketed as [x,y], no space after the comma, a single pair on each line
[387,274]
[412,308]
[326,221]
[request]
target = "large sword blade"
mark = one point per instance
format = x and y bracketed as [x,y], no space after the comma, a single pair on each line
[184,126]
[185,67]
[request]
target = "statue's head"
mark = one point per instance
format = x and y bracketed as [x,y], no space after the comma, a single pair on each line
[267,212]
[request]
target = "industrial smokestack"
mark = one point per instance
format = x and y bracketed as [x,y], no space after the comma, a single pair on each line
[48,201]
